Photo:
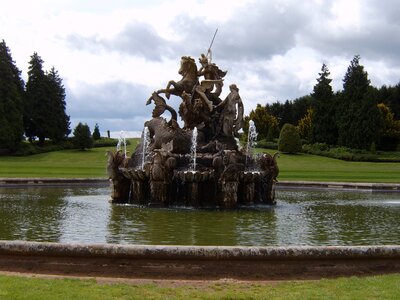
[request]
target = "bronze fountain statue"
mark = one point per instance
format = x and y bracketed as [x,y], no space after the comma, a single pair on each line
[161,171]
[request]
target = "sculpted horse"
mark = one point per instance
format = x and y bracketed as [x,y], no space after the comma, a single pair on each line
[189,80]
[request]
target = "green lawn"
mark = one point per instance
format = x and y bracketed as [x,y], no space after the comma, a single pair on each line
[65,164]
[92,163]
[318,168]
[374,287]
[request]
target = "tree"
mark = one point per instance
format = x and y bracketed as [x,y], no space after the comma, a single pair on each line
[36,105]
[59,125]
[82,137]
[96,132]
[289,139]
[305,125]
[11,91]
[359,120]
[44,109]
[324,129]
[264,122]
[390,134]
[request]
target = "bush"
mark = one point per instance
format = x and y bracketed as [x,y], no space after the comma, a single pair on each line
[289,139]
[345,153]
[267,144]
[82,137]
[27,148]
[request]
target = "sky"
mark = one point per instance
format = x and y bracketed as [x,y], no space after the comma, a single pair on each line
[111,55]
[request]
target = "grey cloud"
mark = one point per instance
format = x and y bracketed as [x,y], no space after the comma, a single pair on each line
[119,101]
[259,31]
[374,39]
[138,39]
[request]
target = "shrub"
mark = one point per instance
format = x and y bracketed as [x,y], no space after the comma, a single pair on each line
[267,144]
[289,139]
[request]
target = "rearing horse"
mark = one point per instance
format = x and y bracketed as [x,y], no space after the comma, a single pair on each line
[188,70]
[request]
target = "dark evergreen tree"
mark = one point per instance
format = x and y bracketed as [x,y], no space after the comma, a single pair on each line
[391,97]
[11,91]
[59,123]
[44,108]
[287,115]
[300,106]
[96,132]
[36,105]
[323,128]
[82,137]
[359,119]
[282,112]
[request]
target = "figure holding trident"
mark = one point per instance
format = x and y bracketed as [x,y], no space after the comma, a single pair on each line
[213,79]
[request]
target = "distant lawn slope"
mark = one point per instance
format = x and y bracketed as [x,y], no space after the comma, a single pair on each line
[92,164]
[318,168]
[63,164]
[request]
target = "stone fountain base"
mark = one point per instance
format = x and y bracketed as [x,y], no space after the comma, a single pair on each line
[220,180]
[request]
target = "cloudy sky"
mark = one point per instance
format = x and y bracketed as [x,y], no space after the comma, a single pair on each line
[112,54]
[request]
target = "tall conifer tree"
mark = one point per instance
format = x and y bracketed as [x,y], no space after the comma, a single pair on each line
[11,91]
[323,123]
[359,120]
[36,104]
[59,123]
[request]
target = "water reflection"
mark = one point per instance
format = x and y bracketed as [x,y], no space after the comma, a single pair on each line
[300,218]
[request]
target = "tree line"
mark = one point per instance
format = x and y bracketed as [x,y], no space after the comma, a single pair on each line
[360,116]
[35,110]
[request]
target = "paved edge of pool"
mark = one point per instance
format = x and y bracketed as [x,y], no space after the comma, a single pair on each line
[21,182]
[198,252]
[197,262]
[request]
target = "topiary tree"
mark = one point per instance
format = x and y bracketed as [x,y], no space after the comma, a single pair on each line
[82,137]
[289,139]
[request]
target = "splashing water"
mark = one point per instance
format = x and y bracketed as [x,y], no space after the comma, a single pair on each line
[121,142]
[146,142]
[251,143]
[193,149]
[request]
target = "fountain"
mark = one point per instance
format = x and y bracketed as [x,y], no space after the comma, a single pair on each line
[145,141]
[193,149]
[198,164]
[251,143]
[122,142]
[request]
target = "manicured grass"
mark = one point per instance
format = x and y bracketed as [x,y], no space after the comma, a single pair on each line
[376,287]
[64,164]
[92,163]
[308,167]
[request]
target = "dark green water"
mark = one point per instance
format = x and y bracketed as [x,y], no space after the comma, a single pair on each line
[300,218]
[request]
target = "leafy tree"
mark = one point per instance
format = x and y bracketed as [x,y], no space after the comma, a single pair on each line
[59,125]
[290,111]
[82,137]
[324,129]
[264,122]
[305,125]
[96,132]
[289,139]
[390,96]
[390,134]
[11,91]
[360,122]
[300,108]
